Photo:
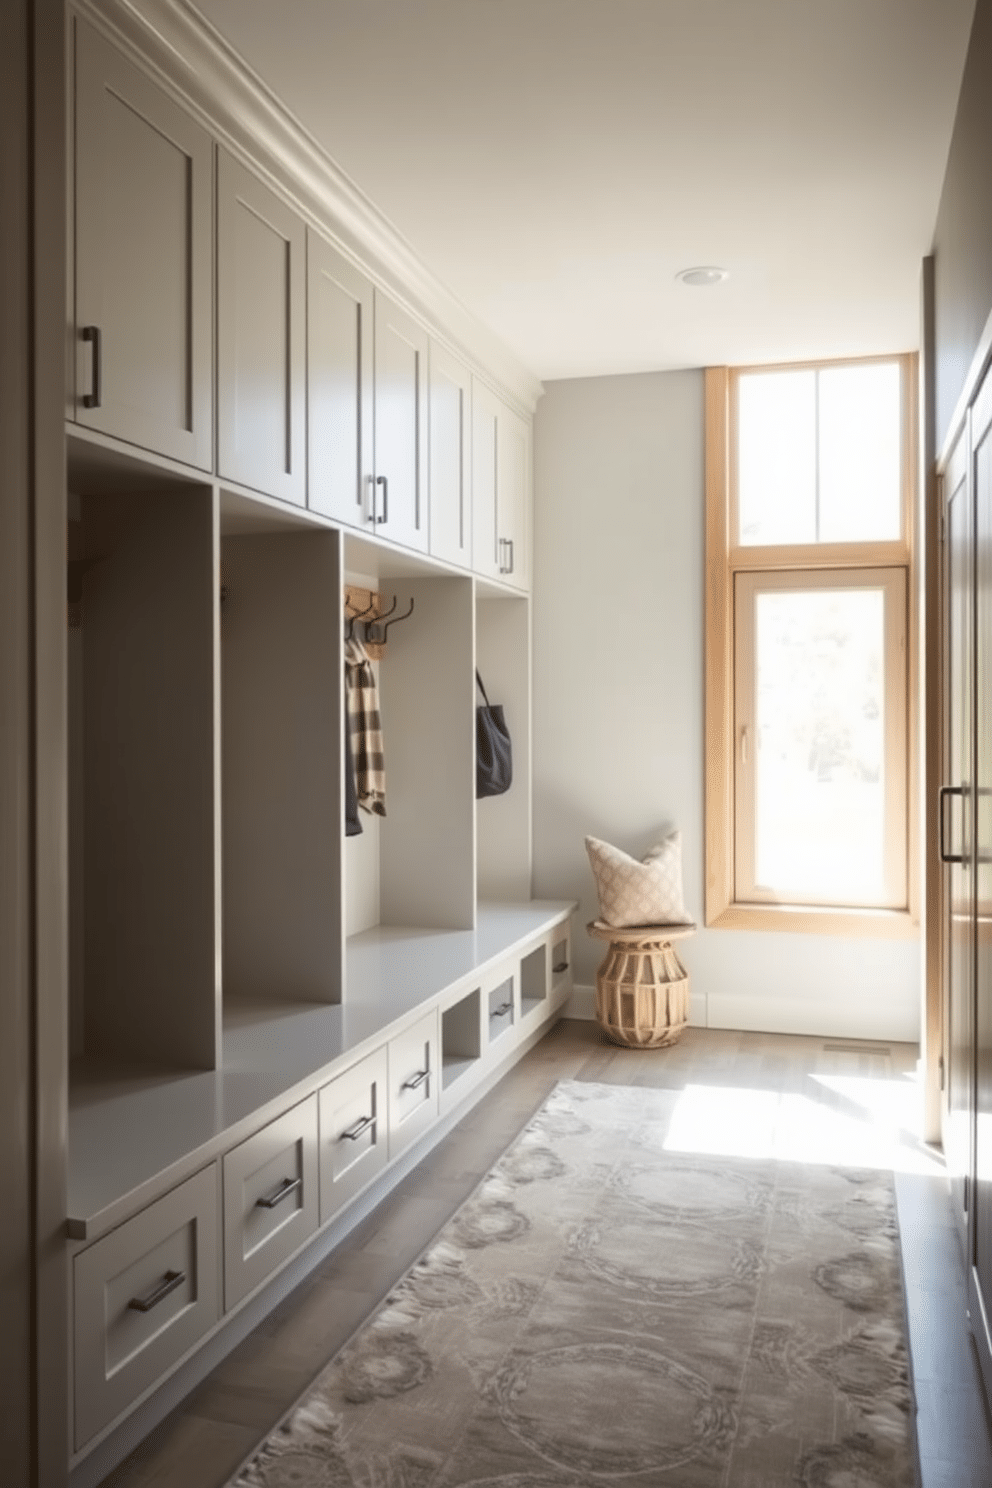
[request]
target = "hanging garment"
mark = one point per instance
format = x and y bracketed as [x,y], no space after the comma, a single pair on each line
[352,824]
[365,728]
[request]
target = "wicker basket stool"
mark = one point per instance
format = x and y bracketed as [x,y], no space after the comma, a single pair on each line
[642,988]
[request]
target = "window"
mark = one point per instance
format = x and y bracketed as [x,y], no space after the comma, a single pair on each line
[810,749]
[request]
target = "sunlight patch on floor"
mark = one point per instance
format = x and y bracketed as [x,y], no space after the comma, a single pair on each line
[857,1123]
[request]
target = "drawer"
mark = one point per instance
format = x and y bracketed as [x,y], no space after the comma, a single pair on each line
[142,1297]
[270,1199]
[502,1007]
[561,963]
[413,1083]
[354,1131]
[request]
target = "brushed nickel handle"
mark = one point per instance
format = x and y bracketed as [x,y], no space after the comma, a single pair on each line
[414,1082]
[502,1010]
[170,1281]
[361,1126]
[560,966]
[286,1187]
[383,481]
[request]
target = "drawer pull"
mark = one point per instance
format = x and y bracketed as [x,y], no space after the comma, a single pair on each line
[415,1081]
[359,1129]
[94,398]
[559,966]
[286,1187]
[170,1281]
[502,1010]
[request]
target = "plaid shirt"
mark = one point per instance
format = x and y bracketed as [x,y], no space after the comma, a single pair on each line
[366,728]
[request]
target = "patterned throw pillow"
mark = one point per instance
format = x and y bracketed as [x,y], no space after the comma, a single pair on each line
[645,893]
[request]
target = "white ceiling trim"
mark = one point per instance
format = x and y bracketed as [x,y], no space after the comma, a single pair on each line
[186,55]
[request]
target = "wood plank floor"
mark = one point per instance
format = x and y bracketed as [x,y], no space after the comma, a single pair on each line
[860,1095]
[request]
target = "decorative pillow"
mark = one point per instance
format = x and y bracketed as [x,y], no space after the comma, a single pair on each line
[645,893]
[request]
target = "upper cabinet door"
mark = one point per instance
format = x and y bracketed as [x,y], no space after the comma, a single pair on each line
[450,470]
[339,385]
[261,324]
[513,501]
[143,311]
[399,479]
[501,486]
[485,535]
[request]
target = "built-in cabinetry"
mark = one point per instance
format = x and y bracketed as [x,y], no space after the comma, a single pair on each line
[966,846]
[269,1019]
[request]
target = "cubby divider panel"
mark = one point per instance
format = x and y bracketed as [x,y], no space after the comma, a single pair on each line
[282,687]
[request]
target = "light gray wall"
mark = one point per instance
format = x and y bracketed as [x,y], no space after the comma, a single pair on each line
[618,703]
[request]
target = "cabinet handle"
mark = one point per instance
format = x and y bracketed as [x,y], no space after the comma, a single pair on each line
[170,1281]
[94,397]
[286,1187]
[415,1081]
[948,790]
[509,544]
[372,516]
[501,561]
[383,481]
[502,1010]
[560,966]
[360,1127]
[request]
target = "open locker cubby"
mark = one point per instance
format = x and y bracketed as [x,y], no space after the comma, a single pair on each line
[280,771]
[534,980]
[503,823]
[142,717]
[461,1037]
[413,867]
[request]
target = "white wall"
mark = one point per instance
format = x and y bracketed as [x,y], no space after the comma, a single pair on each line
[618,704]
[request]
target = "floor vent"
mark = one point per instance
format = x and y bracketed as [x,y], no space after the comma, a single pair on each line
[857,1049]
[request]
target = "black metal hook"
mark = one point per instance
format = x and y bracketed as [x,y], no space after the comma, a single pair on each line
[349,633]
[369,637]
[388,623]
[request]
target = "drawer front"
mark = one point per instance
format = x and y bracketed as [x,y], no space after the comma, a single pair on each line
[503,1007]
[561,963]
[143,1296]
[414,1070]
[270,1199]
[354,1132]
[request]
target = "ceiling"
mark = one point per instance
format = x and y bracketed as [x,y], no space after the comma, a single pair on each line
[555,163]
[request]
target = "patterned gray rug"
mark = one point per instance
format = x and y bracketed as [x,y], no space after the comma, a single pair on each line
[602,1311]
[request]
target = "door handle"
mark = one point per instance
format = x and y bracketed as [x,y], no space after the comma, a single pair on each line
[94,397]
[383,481]
[948,790]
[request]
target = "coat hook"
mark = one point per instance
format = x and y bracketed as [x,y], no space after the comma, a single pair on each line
[369,624]
[359,614]
[388,623]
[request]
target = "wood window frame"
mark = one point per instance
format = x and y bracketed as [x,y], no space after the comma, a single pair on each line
[723,561]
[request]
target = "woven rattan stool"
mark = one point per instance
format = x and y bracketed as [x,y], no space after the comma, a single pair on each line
[642,988]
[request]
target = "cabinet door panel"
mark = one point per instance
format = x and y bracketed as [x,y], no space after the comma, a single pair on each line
[339,385]
[143,261]
[260,336]
[449,458]
[485,534]
[400,445]
[513,498]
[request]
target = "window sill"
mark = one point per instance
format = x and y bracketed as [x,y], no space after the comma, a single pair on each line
[802,919]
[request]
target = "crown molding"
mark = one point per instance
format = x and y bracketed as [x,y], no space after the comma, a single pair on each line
[178,46]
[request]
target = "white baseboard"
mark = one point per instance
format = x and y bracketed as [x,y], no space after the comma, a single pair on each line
[855,1017]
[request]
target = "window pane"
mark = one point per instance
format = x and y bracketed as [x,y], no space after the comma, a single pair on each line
[860,453]
[776,457]
[819,786]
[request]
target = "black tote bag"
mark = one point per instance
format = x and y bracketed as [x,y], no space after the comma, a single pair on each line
[493,752]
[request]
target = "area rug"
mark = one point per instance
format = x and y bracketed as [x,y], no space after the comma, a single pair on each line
[604,1311]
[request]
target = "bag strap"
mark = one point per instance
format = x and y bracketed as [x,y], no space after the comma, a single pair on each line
[481,688]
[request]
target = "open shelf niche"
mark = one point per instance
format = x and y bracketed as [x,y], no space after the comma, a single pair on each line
[281,778]
[414,866]
[143,806]
[503,823]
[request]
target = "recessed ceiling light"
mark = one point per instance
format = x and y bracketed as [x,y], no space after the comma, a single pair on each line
[703,277]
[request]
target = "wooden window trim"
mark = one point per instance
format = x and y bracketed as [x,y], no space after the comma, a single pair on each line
[722,560]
